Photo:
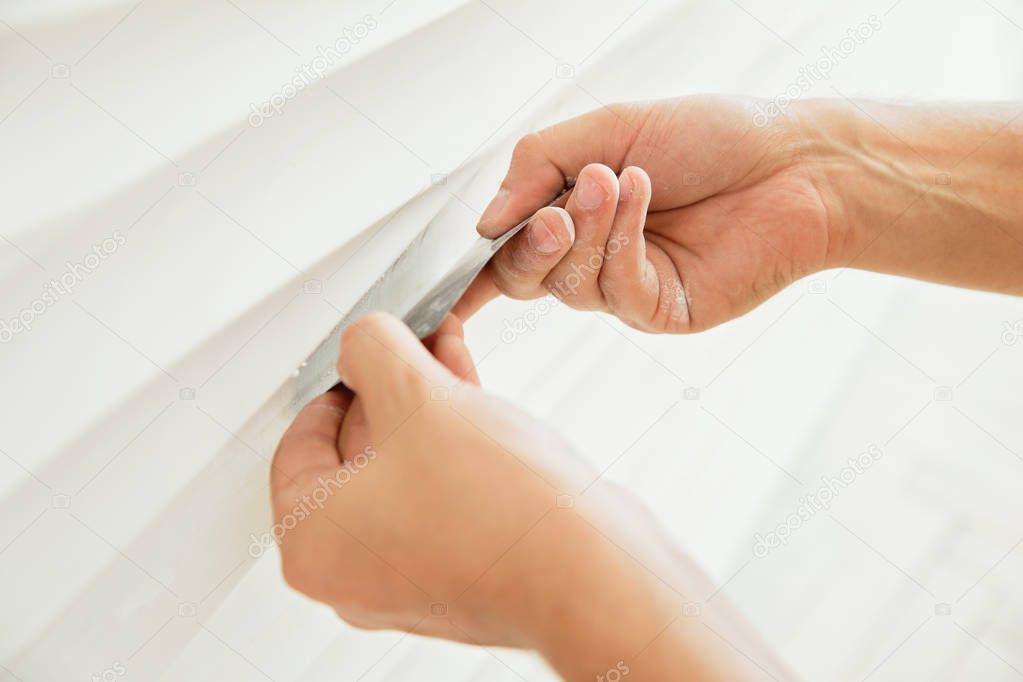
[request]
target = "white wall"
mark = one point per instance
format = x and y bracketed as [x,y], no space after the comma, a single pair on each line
[131,476]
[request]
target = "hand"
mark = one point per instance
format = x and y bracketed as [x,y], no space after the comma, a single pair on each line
[684,214]
[425,505]
[422,504]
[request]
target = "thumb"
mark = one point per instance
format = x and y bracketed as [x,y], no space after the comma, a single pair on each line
[393,373]
[309,446]
[542,161]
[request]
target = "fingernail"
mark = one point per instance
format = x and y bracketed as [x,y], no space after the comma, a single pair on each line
[589,194]
[493,209]
[542,237]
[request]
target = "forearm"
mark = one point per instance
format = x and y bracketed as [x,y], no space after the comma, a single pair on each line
[926,192]
[629,606]
[646,641]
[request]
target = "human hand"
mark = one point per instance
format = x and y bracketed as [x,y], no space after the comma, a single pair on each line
[684,214]
[422,504]
[425,505]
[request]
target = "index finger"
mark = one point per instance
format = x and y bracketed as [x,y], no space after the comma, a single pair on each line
[481,291]
[544,160]
[518,270]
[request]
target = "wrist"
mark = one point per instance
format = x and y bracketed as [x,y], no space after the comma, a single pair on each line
[592,609]
[849,170]
[917,191]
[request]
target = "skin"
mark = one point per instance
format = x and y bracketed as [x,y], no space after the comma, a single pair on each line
[711,214]
[455,515]
[451,520]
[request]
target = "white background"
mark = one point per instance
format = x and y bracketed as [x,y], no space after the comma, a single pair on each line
[130,476]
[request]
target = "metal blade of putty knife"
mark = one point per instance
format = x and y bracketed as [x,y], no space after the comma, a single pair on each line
[410,288]
[400,291]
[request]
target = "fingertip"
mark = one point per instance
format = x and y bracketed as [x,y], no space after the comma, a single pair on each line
[601,171]
[451,325]
[625,280]
[451,351]
[633,183]
[551,231]
[566,218]
[375,348]
[520,267]
[533,178]
[492,223]
[596,185]
[481,291]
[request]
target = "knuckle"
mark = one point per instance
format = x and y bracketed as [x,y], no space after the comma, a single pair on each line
[374,323]
[527,145]
[355,336]
[354,620]
[631,114]
[618,109]
[298,573]
[304,572]
[351,336]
